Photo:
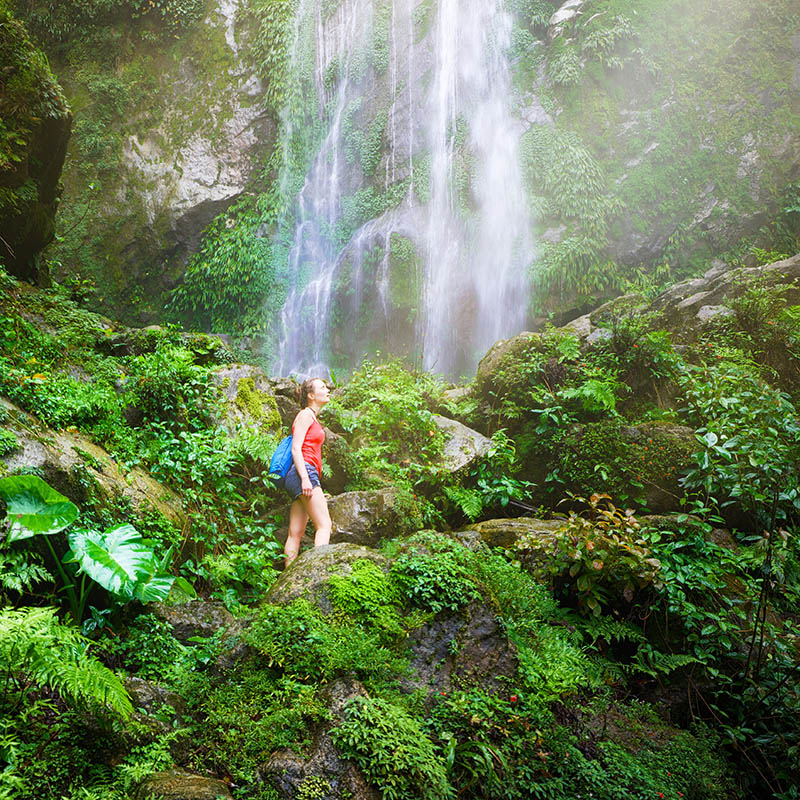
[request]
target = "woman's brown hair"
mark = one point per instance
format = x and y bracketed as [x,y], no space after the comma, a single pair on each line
[304,390]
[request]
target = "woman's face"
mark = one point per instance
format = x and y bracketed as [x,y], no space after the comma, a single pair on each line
[320,392]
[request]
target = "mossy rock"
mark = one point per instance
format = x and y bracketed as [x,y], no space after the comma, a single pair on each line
[496,369]
[638,464]
[249,398]
[308,575]
[506,533]
[368,516]
[82,470]
[36,128]
[177,784]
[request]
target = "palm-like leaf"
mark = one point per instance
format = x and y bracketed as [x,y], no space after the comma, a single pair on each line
[34,507]
[120,561]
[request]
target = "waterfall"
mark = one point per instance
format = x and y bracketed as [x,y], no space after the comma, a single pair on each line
[411,232]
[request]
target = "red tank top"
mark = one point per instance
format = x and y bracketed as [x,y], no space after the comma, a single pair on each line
[312,445]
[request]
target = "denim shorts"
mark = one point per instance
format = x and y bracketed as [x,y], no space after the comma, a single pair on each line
[292,480]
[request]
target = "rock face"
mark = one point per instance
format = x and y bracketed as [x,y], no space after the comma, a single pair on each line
[567,12]
[177,784]
[689,305]
[36,123]
[82,470]
[185,149]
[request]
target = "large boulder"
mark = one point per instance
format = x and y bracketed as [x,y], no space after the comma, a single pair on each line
[82,470]
[307,576]
[337,455]
[506,533]
[498,361]
[565,14]
[463,446]
[195,618]
[152,698]
[249,401]
[36,128]
[366,517]
[638,464]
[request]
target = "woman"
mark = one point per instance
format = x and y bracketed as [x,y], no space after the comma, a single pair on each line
[302,480]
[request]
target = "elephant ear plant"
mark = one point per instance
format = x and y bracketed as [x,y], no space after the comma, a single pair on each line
[118,559]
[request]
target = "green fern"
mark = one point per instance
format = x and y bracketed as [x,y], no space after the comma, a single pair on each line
[606,628]
[20,571]
[36,648]
[470,501]
[653,662]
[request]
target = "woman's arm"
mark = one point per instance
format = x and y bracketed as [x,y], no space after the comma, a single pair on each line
[302,423]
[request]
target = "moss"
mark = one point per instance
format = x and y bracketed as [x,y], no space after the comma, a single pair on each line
[314,787]
[423,16]
[405,275]
[257,404]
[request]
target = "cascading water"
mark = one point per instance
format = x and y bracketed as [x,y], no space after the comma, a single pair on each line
[411,232]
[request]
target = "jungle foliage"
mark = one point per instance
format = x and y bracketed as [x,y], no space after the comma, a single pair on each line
[609,613]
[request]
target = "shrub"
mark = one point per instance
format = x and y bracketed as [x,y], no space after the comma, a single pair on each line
[389,406]
[392,750]
[594,560]
[437,582]
[249,716]
[149,649]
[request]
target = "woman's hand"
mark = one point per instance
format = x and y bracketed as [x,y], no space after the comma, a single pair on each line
[307,487]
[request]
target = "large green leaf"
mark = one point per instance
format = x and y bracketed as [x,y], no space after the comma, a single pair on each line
[120,561]
[156,588]
[35,507]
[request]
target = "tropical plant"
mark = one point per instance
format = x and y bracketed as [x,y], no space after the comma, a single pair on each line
[597,557]
[33,507]
[37,650]
[118,559]
[491,482]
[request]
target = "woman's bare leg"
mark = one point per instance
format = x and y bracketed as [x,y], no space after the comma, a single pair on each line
[316,507]
[298,519]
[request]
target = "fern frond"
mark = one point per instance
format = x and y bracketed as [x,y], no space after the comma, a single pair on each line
[652,662]
[469,500]
[606,628]
[35,647]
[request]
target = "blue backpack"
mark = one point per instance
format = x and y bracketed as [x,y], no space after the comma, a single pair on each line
[281,461]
